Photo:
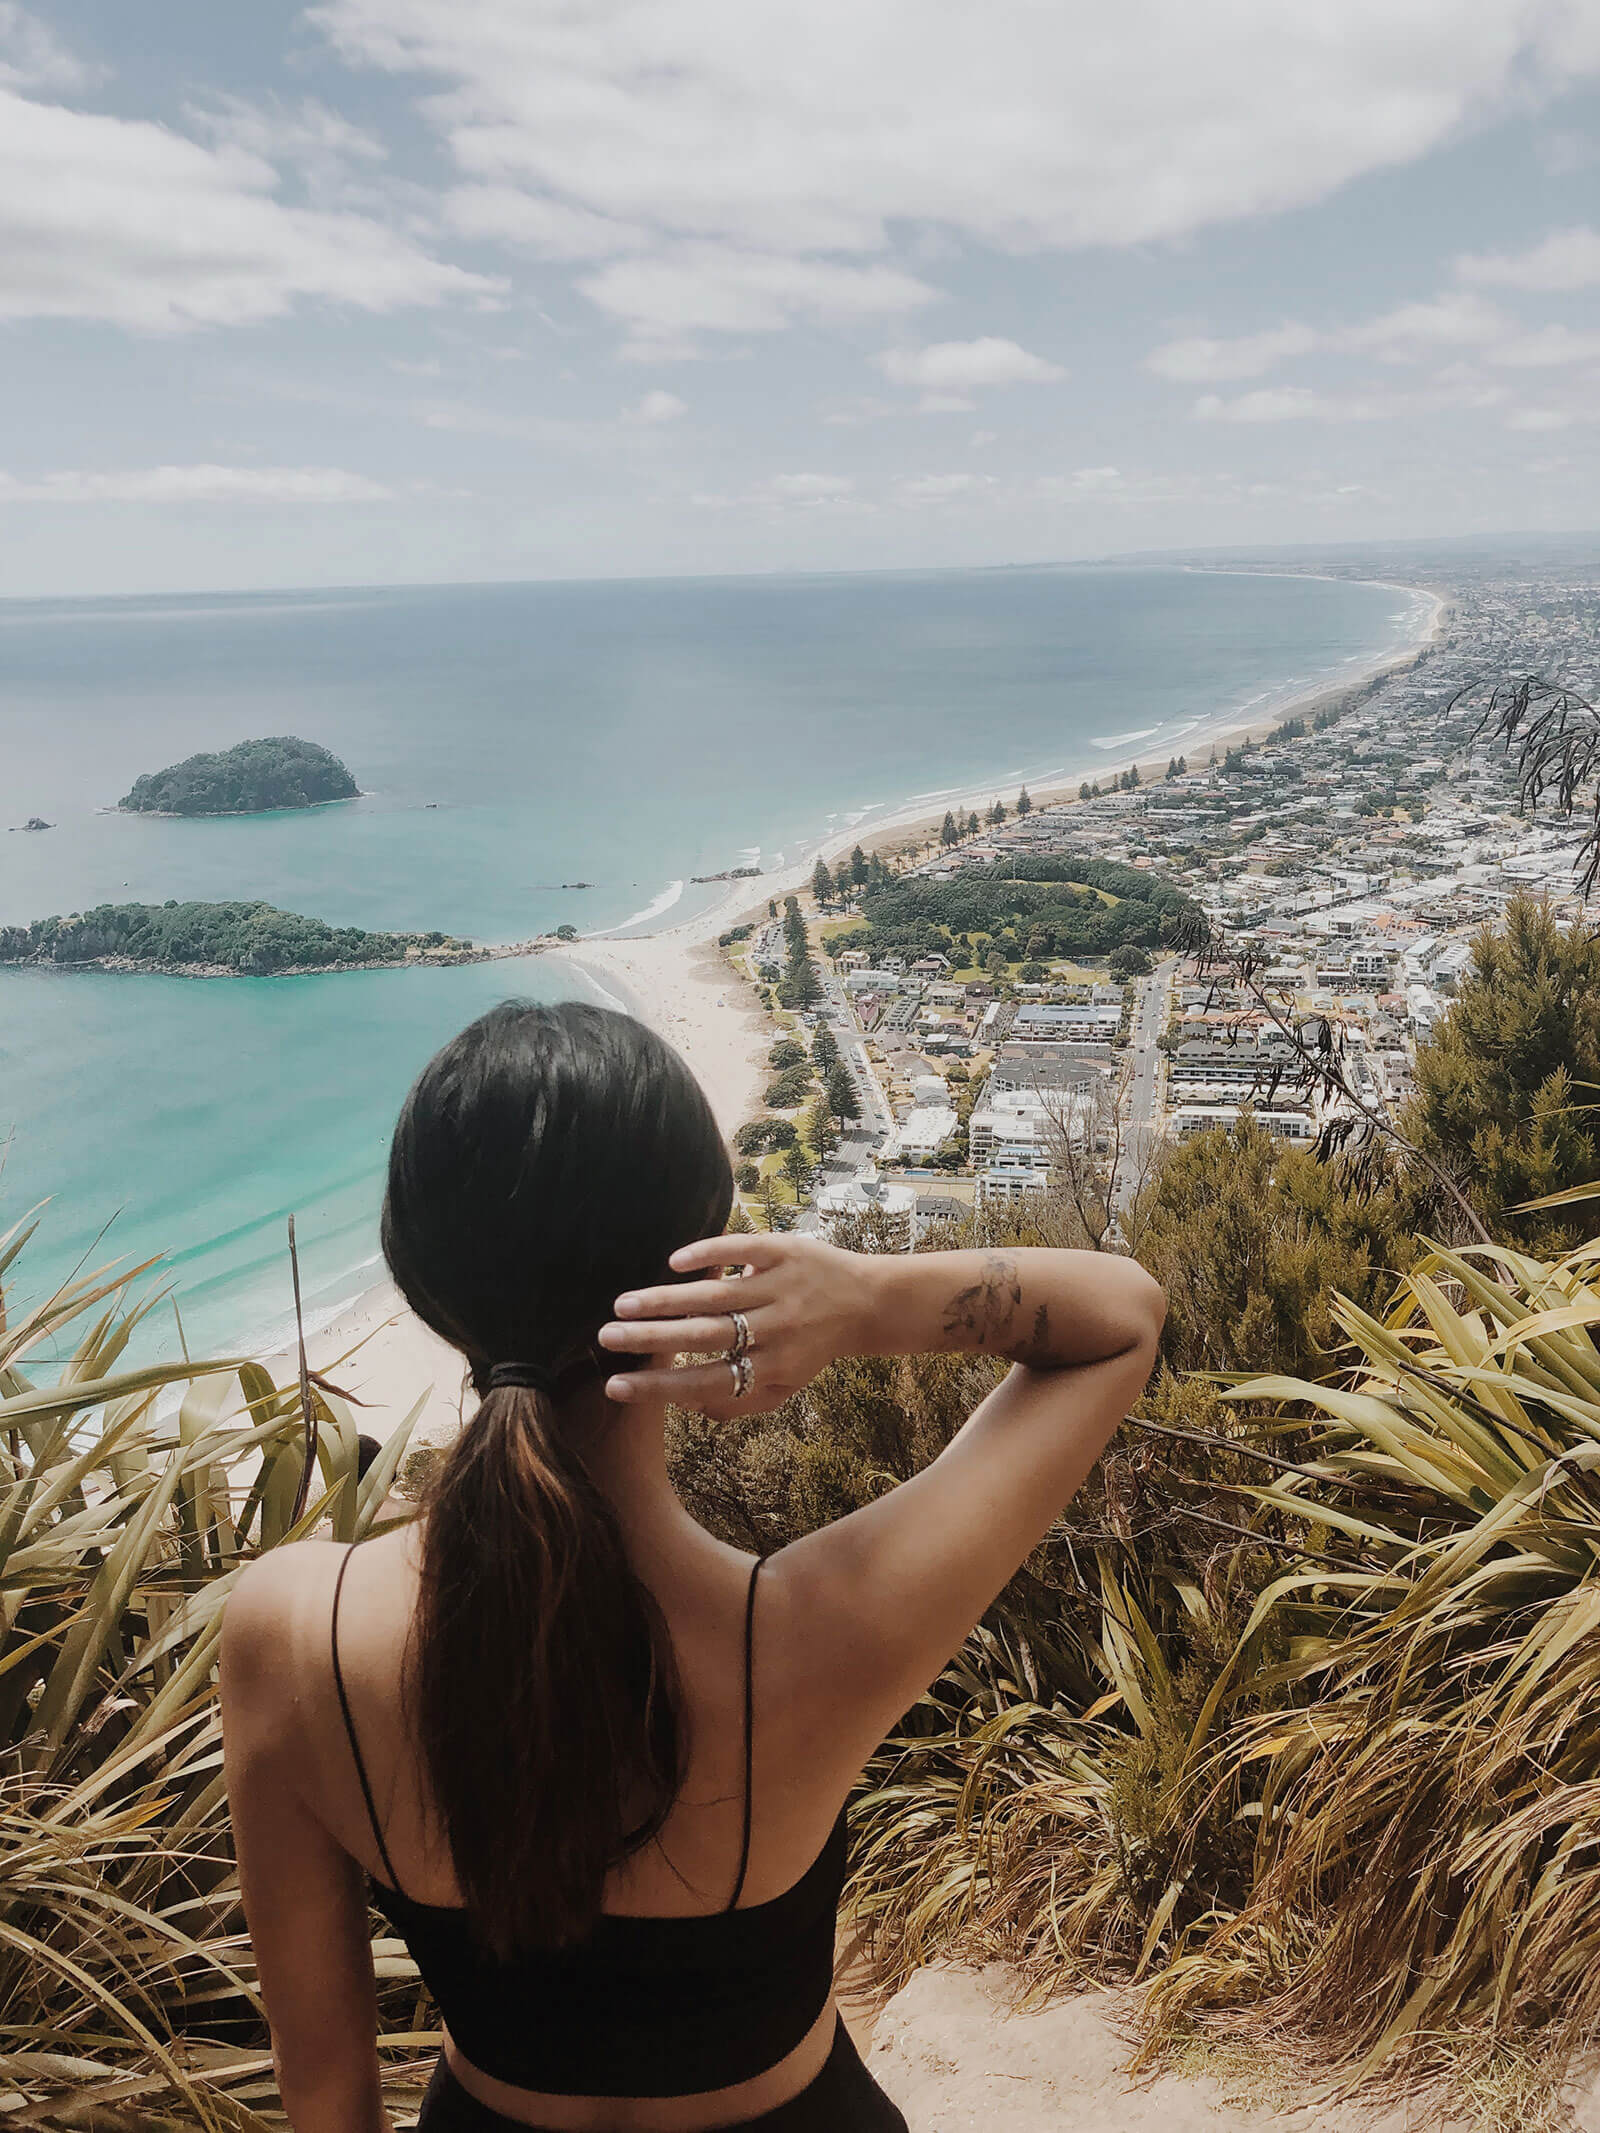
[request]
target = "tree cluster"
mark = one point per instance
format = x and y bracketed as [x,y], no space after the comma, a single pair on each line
[253,778]
[1506,1087]
[799,986]
[1030,907]
[252,939]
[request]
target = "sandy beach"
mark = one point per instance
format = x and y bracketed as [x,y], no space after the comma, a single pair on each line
[679,981]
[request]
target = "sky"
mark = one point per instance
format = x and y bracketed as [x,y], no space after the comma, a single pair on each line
[379,291]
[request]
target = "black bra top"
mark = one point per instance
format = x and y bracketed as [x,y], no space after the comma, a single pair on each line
[643,2006]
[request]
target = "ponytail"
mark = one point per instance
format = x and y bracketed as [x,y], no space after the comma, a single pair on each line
[541,1679]
[547,1158]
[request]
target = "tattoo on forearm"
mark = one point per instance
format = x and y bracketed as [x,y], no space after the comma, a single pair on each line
[1035,1347]
[983,1313]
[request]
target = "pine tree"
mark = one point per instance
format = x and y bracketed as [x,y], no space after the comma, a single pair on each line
[1172,766]
[769,1201]
[973,825]
[797,1169]
[1083,790]
[739,1221]
[1024,803]
[1183,766]
[801,987]
[948,832]
[858,866]
[822,1135]
[843,1101]
[822,883]
[824,1049]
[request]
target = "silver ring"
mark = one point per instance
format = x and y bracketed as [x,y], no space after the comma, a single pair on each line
[742,1342]
[743,1371]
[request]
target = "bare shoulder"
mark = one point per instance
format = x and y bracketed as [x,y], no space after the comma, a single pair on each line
[265,1620]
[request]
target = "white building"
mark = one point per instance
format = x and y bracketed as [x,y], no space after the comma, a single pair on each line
[1064,1023]
[924,1130]
[896,1205]
[1024,1125]
[1003,1183]
[1190,1120]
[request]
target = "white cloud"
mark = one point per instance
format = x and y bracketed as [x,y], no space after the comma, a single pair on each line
[656,407]
[1567,259]
[806,126]
[1420,332]
[958,366]
[1098,481]
[980,438]
[1538,418]
[504,214]
[1546,347]
[941,488]
[1285,403]
[320,144]
[1415,333]
[667,299]
[123,220]
[33,57]
[945,404]
[811,488]
[194,485]
[1206,362]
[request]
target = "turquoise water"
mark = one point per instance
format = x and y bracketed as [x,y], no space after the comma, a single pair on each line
[507,739]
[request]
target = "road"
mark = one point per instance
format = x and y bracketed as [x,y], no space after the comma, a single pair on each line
[1144,1092]
[861,1142]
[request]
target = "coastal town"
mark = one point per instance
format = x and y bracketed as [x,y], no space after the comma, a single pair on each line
[1336,866]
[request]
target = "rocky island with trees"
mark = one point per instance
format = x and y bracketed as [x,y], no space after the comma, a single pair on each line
[199,940]
[256,777]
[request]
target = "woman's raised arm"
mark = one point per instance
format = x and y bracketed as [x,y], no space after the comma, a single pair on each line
[880,1600]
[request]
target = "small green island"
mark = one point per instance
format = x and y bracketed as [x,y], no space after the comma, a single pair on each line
[218,940]
[257,777]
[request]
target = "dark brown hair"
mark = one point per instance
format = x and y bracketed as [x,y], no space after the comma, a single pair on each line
[547,1159]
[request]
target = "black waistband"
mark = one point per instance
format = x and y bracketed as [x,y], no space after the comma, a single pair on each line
[843,2098]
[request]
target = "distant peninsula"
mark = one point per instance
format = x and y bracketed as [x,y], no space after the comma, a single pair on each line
[218,941]
[255,778]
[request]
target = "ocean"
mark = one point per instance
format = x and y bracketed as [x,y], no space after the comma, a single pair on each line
[508,739]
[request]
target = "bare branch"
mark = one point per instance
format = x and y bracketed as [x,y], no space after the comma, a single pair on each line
[1553,734]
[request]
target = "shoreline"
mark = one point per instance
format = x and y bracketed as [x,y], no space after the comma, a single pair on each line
[677,980]
[669,972]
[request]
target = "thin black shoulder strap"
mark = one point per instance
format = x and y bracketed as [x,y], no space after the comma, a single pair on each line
[749,1727]
[350,1730]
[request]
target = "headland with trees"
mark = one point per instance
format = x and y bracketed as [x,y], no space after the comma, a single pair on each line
[217,940]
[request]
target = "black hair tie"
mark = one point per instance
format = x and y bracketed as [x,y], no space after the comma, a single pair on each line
[525,1377]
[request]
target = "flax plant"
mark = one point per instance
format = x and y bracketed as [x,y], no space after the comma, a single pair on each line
[129,1500]
[1357,1817]
[1427,1862]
